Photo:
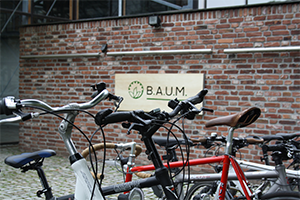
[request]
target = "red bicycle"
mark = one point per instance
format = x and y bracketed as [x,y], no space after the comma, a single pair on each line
[235,121]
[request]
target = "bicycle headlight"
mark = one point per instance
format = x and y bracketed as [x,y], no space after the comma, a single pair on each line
[136,194]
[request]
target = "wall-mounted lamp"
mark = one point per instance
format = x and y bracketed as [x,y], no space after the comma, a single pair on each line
[104,48]
[154,21]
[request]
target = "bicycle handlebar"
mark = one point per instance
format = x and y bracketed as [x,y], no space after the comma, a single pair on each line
[117,117]
[183,106]
[238,143]
[288,136]
[9,105]
[144,118]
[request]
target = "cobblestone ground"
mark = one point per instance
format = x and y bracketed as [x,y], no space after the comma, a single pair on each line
[17,185]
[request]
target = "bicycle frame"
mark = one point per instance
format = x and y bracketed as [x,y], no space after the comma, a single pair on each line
[261,167]
[281,183]
[226,159]
[278,174]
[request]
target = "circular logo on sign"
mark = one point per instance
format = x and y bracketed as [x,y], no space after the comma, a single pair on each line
[135,89]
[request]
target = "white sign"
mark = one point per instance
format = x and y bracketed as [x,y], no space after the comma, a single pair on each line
[149,91]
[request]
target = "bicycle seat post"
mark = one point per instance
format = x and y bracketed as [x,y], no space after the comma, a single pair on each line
[229,143]
[46,189]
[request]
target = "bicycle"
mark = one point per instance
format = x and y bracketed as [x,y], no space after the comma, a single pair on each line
[86,186]
[274,177]
[285,148]
[271,174]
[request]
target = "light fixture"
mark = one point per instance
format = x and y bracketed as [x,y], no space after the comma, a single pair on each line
[154,21]
[134,194]
[104,48]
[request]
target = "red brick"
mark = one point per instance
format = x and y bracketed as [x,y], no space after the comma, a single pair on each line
[280,32]
[234,20]
[251,29]
[225,40]
[275,17]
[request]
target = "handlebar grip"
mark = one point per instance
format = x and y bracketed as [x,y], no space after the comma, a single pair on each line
[114,97]
[201,140]
[271,137]
[99,87]
[197,98]
[277,147]
[4,108]
[288,136]
[101,115]
[255,140]
[117,117]
[207,109]
[94,94]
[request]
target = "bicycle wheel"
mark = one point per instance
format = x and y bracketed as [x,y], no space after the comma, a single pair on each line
[286,195]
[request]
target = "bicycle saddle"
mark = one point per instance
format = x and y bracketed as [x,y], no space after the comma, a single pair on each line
[18,161]
[237,120]
[163,141]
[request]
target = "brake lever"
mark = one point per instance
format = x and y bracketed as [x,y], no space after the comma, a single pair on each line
[117,103]
[140,120]
[194,110]
[134,126]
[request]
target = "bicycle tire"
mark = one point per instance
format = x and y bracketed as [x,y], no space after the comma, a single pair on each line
[286,195]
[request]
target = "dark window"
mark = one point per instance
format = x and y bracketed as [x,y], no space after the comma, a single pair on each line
[52,8]
[96,9]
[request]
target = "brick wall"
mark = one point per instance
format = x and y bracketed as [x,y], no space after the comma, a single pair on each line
[268,80]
